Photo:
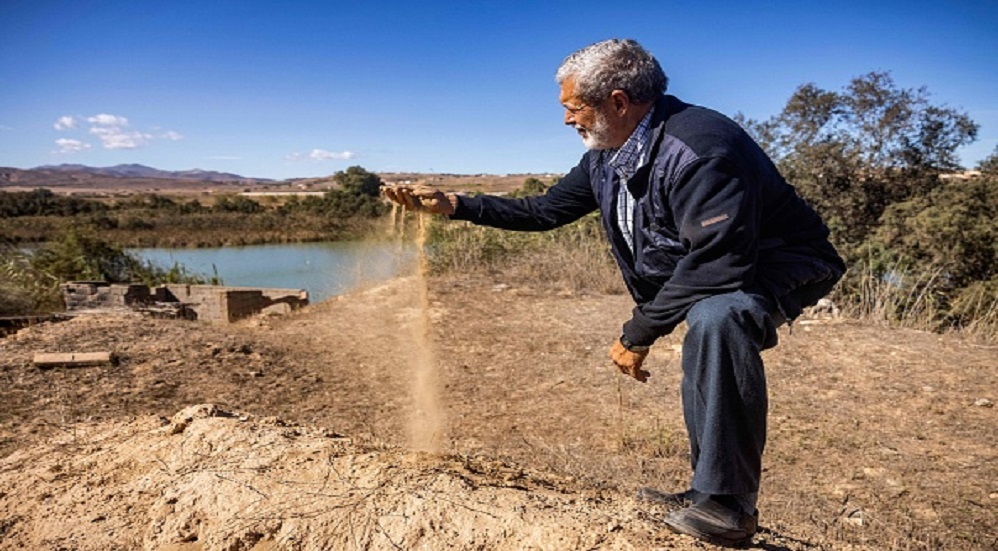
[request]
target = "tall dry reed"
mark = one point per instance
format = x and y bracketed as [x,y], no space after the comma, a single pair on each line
[575,257]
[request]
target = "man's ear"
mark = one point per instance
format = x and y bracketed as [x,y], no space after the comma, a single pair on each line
[621,103]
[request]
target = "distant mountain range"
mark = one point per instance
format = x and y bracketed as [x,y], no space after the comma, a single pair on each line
[130,176]
[142,171]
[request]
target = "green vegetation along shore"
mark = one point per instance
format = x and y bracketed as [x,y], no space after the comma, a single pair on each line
[160,221]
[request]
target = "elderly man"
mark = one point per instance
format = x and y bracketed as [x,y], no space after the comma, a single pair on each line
[705,230]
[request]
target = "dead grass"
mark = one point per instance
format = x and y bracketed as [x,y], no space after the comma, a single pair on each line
[575,257]
[912,300]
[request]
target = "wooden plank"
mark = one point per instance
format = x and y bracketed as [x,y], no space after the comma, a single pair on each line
[45,360]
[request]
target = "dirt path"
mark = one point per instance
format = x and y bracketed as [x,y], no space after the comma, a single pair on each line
[879,438]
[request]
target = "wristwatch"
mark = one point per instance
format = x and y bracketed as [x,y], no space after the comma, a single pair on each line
[626,343]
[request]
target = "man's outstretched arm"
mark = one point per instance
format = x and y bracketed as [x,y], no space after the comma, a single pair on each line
[563,203]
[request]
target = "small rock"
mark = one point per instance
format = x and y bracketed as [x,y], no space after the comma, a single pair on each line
[984,403]
[854,517]
[183,418]
[824,309]
[874,472]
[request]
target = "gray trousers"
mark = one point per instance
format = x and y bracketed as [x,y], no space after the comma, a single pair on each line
[724,389]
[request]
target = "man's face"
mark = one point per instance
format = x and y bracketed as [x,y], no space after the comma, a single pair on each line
[589,121]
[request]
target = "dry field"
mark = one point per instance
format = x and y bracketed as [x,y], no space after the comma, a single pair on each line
[479,183]
[205,191]
[879,438]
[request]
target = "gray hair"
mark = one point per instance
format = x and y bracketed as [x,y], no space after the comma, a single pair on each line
[611,65]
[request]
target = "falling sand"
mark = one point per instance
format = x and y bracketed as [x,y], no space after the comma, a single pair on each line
[426,423]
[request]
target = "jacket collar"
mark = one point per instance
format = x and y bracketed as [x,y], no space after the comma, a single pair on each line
[665,107]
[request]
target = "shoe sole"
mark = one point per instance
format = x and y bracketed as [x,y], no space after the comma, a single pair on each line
[693,532]
[695,521]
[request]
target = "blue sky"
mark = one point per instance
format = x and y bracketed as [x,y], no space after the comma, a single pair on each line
[298,89]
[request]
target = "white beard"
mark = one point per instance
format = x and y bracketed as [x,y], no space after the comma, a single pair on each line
[597,137]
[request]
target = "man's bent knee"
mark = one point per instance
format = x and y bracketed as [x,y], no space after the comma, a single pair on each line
[732,313]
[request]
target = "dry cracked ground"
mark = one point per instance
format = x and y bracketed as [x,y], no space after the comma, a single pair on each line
[294,432]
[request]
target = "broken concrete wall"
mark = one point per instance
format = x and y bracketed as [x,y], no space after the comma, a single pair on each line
[210,303]
[85,295]
[227,304]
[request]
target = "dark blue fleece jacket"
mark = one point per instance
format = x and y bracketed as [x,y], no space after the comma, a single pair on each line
[711,215]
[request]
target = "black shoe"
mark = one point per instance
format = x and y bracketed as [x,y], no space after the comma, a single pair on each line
[714,523]
[682,499]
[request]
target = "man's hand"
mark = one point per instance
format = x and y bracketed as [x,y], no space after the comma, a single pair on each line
[629,362]
[421,198]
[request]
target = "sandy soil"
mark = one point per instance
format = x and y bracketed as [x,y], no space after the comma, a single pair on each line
[880,438]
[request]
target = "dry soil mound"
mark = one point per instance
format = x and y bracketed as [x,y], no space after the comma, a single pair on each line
[210,479]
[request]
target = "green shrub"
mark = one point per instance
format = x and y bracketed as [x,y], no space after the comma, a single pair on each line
[531,186]
[23,288]
[31,279]
[932,260]
[357,181]
[42,202]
